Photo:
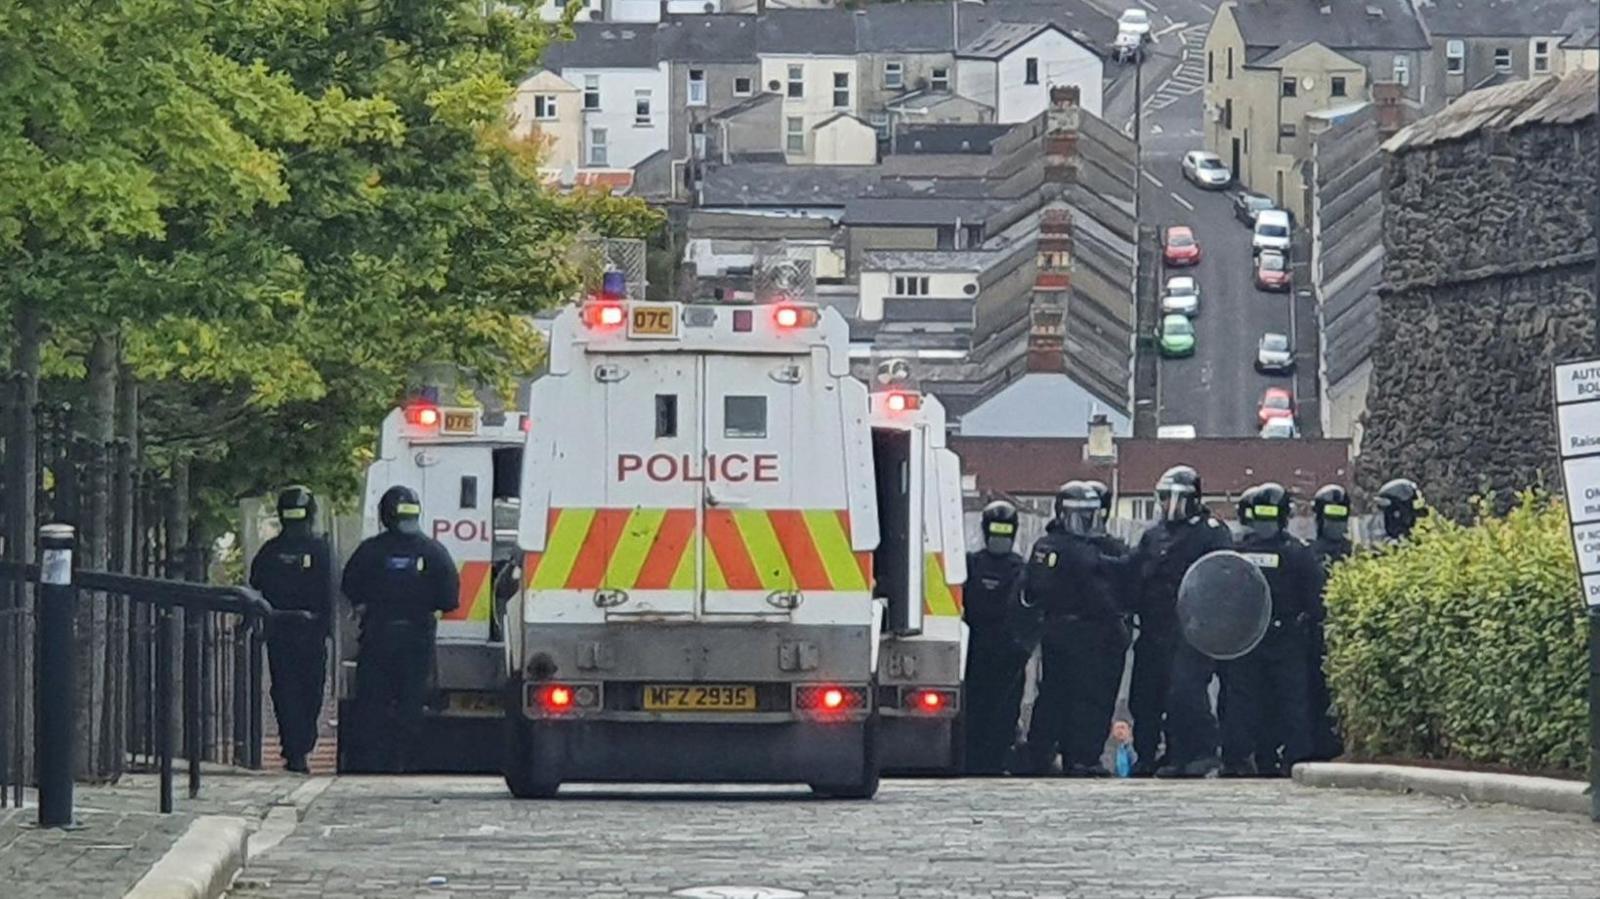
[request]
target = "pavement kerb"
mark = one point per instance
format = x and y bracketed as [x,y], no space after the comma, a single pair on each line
[201,865]
[1543,793]
[306,794]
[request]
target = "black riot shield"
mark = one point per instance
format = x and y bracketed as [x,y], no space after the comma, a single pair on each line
[1224,605]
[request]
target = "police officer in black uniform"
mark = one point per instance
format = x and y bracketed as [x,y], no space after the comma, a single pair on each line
[294,571]
[1076,576]
[400,580]
[999,635]
[1331,504]
[1270,684]
[1186,532]
[1400,501]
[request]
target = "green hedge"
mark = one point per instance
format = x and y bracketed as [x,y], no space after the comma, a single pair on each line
[1466,644]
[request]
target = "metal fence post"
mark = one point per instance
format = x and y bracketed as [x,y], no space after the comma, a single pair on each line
[56,699]
[165,622]
[257,678]
[192,725]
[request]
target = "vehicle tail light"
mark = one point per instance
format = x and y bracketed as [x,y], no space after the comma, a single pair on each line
[829,698]
[556,699]
[796,317]
[603,315]
[930,701]
[900,401]
[527,424]
[422,416]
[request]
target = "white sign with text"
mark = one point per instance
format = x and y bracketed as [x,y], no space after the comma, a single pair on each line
[1577,387]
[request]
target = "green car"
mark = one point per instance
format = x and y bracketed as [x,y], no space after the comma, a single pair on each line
[1177,336]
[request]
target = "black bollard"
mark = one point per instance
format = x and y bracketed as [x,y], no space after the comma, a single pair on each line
[55,709]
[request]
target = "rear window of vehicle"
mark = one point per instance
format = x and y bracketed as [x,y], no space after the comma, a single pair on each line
[1180,239]
[1266,230]
[1210,163]
[1274,342]
[744,416]
[1272,262]
[1276,401]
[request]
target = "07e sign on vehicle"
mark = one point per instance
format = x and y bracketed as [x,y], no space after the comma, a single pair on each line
[732,468]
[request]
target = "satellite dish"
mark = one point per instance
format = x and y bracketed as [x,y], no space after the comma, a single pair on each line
[1308,82]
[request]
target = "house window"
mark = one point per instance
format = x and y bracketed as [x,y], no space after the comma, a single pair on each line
[1541,57]
[1287,130]
[910,285]
[544,107]
[1455,57]
[1227,114]
[697,138]
[795,135]
[1336,86]
[641,108]
[597,147]
[1402,70]
[1502,59]
[1230,63]
[1032,67]
[1247,141]
[1290,87]
[697,87]
[743,87]
[797,82]
[880,123]
[939,79]
[894,75]
[591,92]
[1211,67]
[841,90]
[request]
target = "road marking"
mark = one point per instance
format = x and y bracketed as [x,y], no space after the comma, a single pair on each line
[1181,201]
[1153,180]
[1166,18]
[1156,129]
[1171,28]
[1148,5]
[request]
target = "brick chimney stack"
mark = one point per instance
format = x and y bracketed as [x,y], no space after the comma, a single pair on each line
[1388,99]
[1061,136]
[1047,335]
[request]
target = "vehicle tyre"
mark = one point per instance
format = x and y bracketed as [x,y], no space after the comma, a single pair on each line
[867,786]
[516,763]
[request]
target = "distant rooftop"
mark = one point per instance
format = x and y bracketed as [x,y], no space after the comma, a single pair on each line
[929,260]
[901,211]
[606,45]
[1001,39]
[1508,18]
[776,184]
[950,138]
[1565,100]
[1336,24]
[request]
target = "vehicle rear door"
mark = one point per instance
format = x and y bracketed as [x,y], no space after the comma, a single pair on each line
[641,556]
[456,486]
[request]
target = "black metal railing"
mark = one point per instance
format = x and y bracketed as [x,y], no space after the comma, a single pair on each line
[180,614]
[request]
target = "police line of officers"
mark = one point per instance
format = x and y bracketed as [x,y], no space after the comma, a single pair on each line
[1080,594]
[1076,598]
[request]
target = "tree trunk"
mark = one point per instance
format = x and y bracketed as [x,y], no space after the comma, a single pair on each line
[22,476]
[97,702]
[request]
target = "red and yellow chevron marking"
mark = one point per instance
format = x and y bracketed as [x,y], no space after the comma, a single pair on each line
[656,549]
[939,597]
[477,585]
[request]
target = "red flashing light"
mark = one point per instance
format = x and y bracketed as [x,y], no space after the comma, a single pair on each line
[558,697]
[903,402]
[930,700]
[604,315]
[832,698]
[423,416]
[795,317]
[527,424]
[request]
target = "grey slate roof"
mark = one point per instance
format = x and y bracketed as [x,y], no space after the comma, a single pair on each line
[1508,18]
[929,260]
[709,39]
[1086,24]
[606,45]
[1348,24]
[903,27]
[818,32]
[1000,39]
[1278,54]
[929,212]
[773,184]
[1541,100]
[950,138]
[1585,38]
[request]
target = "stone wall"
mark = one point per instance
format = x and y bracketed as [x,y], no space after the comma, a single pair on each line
[1488,280]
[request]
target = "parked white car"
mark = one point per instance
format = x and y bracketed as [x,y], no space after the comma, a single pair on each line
[1134,21]
[1181,296]
[1272,231]
[1206,170]
[1280,428]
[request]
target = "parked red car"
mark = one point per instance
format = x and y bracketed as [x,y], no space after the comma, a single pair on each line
[1272,271]
[1277,402]
[1179,247]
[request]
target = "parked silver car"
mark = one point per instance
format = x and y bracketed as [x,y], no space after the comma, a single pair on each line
[1274,354]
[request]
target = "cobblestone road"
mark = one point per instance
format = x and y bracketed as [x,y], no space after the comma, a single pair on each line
[1130,840]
